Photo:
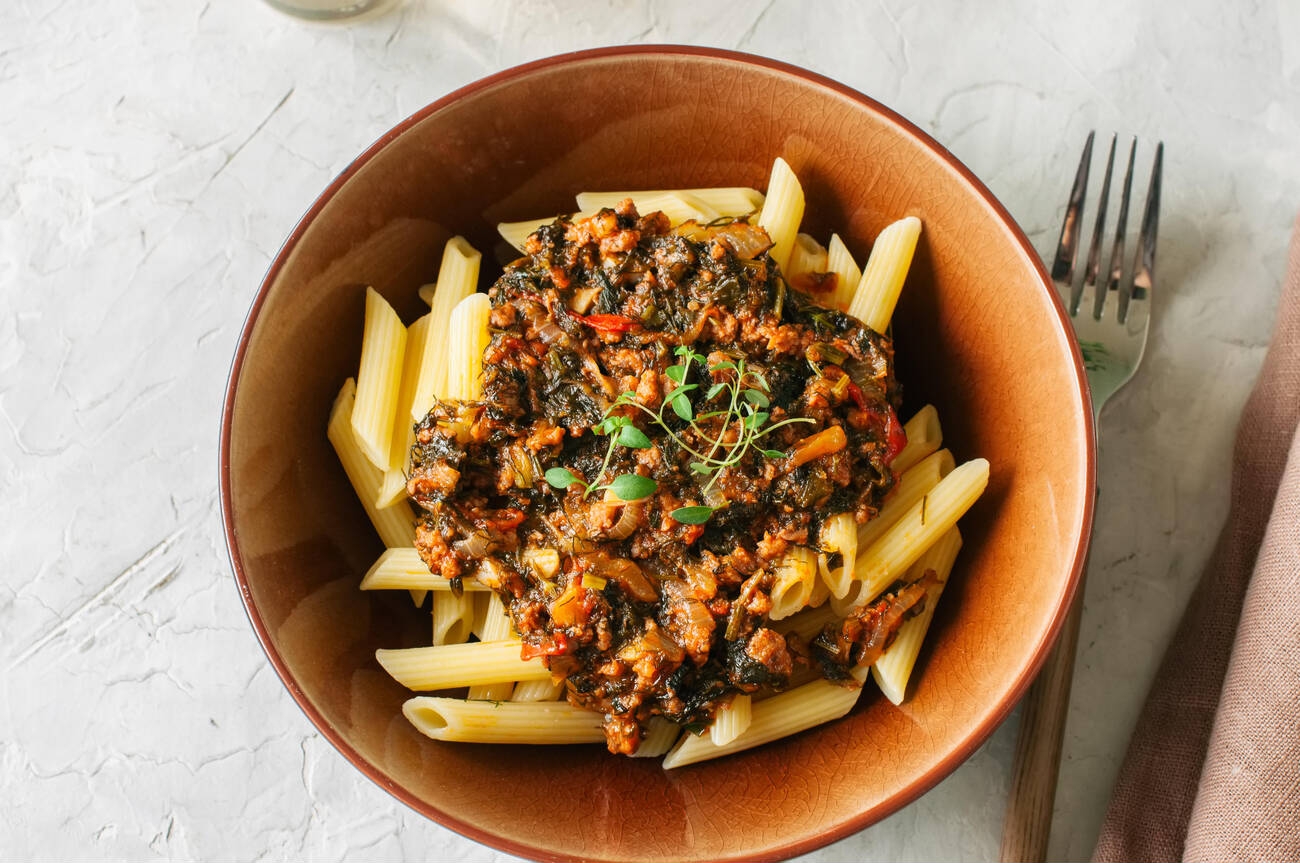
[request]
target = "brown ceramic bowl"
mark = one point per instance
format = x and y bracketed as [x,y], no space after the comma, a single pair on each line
[978,332]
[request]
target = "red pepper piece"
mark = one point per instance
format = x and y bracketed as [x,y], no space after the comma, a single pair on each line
[556,645]
[895,435]
[855,393]
[609,323]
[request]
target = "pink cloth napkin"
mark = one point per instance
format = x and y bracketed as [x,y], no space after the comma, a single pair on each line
[1213,769]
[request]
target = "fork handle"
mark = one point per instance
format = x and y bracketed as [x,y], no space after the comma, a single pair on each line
[1028,820]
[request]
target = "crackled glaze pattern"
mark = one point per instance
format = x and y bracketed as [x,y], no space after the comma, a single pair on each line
[157,153]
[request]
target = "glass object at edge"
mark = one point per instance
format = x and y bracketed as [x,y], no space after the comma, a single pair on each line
[330,10]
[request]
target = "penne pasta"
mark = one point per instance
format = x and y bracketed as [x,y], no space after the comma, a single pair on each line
[923,437]
[537,690]
[882,279]
[491,620]
[724,201]
[782,211]
[491,691]
[772,718]
[731,720]
[453,617]
[839,260]
[517,233]
[679,207]
[820,592]
[383,346]
[912,486]
[793,582]
[393,487]
[660,735]
[457,279]
[400,568]
[426,293]
[467,338]
[503,722]
[395,524]
[884,561]
[839,543]
[807,623]
[806,256]
[892,670]
[491,623]
[448,666]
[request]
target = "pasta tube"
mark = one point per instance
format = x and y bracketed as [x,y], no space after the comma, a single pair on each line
[912,486]
[447,666]
[894,667]
[536,690]
[517,233]
[491,620]
[457,279]
[923,437]
[772,718]
[678,206]
[491,623]
[782,211]
[882,280]
[806,256]
[793,583]
[401,568]
[503,722]
[395,524]
[453,617]
[839,536]
[839,260]
[885,560]
[383,345]
[393,487]
[807,623]
[724,201]
[731,720]
[660,735]
[467,339]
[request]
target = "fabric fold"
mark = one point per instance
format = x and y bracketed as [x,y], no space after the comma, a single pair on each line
[1214,749]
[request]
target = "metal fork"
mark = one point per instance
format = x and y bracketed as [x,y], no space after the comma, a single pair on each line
[1110,320]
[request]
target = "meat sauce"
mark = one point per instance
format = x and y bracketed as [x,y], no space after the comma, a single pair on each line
[658,606]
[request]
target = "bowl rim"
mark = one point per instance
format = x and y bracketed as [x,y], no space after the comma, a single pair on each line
[919,785]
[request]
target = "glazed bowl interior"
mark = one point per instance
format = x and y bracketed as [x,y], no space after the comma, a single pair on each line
[1008,388]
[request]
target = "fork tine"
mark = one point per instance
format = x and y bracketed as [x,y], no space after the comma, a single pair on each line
[1121,228]
[1144,259]
[1063,265]
[1098,230]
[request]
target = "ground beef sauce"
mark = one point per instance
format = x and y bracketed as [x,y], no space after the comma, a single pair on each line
[639,613]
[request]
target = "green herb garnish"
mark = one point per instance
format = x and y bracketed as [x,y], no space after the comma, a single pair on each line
[628,486]
[743,398]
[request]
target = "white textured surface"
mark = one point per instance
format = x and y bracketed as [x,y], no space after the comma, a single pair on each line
[153,154]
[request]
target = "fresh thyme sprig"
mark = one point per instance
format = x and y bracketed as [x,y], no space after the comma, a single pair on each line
[744,394]
[628,486]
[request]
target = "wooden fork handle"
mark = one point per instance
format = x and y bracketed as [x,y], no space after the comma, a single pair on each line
[1028,820]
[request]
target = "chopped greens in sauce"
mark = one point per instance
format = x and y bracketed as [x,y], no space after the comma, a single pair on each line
[667,417]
